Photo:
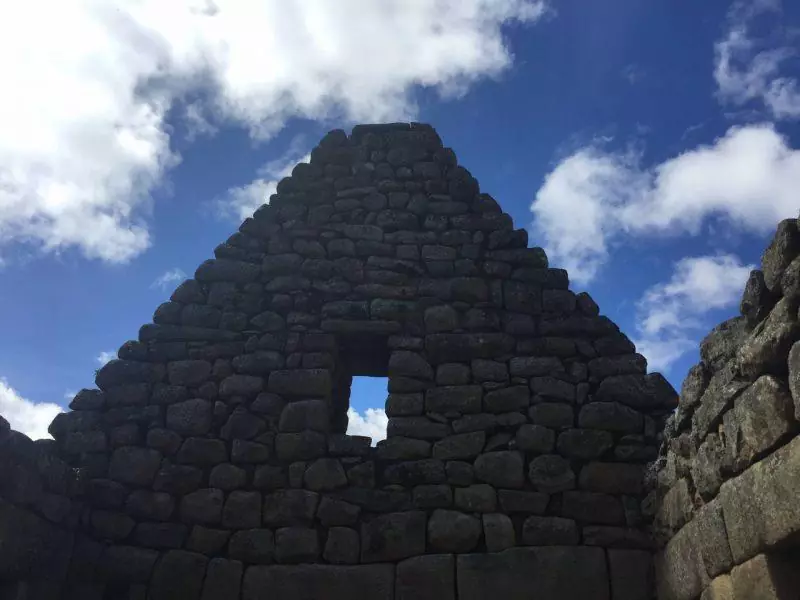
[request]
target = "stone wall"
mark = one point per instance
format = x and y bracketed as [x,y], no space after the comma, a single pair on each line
[213,457]
[728,477]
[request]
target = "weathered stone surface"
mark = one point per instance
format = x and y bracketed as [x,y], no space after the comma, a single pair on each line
[362,582]
[242,510]
[179,574]
[325,474]
[560,572]
[536,439]
[241,385]
[429,577]
[254,546]
[305,445]
[611,416]
[763,416]
[188,372]
[415,472]
[453,531]
[783,248]
[507,399]
[342,546]
[551,473]
[479,497]
[721,344]
[301,382]
[289,507]
[203,452]
[461,446]
[191,417]
[404,405]
[500,469]
[549,531]
[764,351]
[296,544]
[612,478]
[227,477]
[421,428]
[133,465]
[144,504]
[767,577]
[223,579]
[759,506]
[449,347]
[460,399]
[403,363]
[720,588]
[592,507]
[402,448]
[160,535]
[553,415]
[757,300]
[584,444]
[393,536]
[127,564]
[630,572]
[638,391]
[203,506]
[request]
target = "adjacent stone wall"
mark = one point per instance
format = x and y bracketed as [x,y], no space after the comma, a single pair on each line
[213,455]
[729,475]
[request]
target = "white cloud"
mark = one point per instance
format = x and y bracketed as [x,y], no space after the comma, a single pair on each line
[748,70]
[105,357]
[168,277]
[749,177]
[84,137]
[670,315]
[242,201]
[30,418]
[372,423]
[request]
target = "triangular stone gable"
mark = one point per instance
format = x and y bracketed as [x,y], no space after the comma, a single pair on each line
[518,416]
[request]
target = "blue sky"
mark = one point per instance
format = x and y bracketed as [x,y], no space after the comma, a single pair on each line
[651,147]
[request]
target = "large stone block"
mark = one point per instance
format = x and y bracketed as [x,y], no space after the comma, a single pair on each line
[312,582]
[255,546]
[429,577]
[191,417]
[453,531]
[179,574]
[631,574]
[501,469]
[544,573]
[462,399]
[301,382]
[760,505]
[223,579]
[772,576]
[134,465]
[762,416]
[393,536]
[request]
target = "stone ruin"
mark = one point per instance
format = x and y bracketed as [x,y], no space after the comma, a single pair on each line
[212,461]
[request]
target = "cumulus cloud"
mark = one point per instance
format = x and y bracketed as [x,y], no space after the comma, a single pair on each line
[241,202]
[753,71]
[168,277]
[590,200]
[84,131]
[105,357]
[372,423]
[670,315]
[30,418]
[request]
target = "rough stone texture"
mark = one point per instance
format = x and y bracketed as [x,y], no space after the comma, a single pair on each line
[426,578]
[559,573]
[310,582]
[517,414]
[392,537]
[453,531]
[722,489]
[179,574]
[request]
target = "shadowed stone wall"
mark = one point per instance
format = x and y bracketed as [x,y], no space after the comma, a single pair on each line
[211,461]
[728,480]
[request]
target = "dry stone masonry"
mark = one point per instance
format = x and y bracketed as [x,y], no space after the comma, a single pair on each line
[212,462]
[727,482]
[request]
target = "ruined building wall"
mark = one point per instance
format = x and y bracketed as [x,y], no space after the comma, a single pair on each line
[212,461]
[728,479]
